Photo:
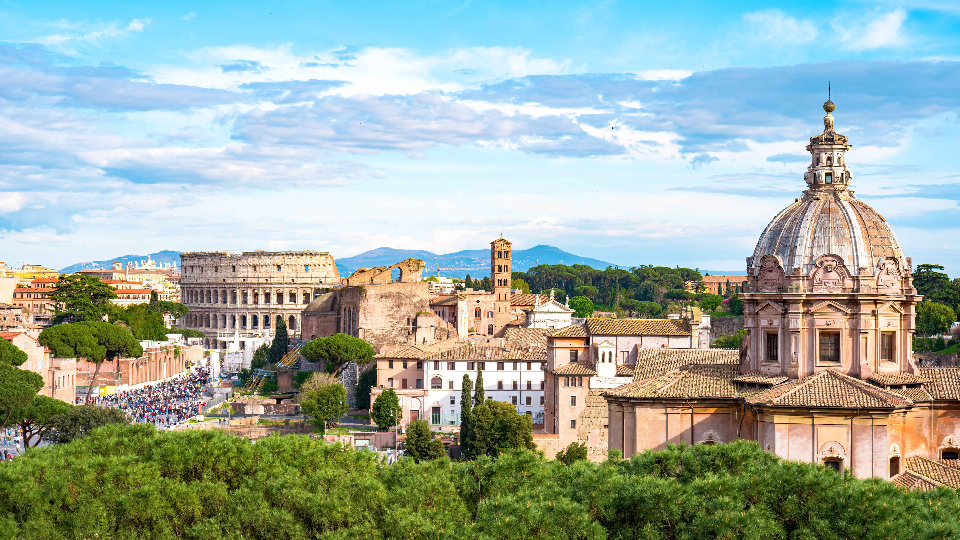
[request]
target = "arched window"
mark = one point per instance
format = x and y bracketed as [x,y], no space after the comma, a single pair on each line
[436,383]
[279,318]
[830,161]
[894,466]
[243,321]
[293,323]
[834,463]
[266,321]
[255,322]
[478,313]
[396,275]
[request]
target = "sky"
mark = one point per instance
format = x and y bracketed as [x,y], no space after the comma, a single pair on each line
[633,132]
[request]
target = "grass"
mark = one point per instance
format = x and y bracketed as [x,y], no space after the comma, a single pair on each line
[360,416]
[953,349]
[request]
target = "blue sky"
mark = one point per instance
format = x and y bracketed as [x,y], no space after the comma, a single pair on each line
[631,132]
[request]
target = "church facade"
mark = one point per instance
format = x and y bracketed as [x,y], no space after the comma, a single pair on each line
[826,373]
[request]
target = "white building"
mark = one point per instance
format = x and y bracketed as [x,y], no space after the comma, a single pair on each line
[550,314]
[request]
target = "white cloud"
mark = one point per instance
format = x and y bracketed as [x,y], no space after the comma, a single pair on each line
[10,202]
[776,27]
[189,16]
[90,35]
[883,31]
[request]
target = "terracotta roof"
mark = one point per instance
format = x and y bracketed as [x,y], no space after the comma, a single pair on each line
[694,381]
[638,327]
[830,389]
[519,336]
[409,351]
[656,362]
[926,474]
[624,370]
[913,394]
[760,378]
[9,335]
[444,300]
[528,299]
[576,368]
[944,382]
[891,379]
[121,292]
[724,279]
[481,353]
[574,330]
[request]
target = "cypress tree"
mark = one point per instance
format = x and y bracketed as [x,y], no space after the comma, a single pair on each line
[465,408]
[279,346]
[467,282]
[478,396]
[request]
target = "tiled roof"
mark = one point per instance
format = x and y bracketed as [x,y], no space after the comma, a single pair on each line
[724,279]
[656,362]
[574,330]
[519,336]
[409,351]
[481,353]
[9,335]
[528,299]
[914,394]
[637,327]
[829,389]
[696,381]
[444,300]
[576,368]
[891,379]
[760,378]
[624,370]
[944,382]
[926,474]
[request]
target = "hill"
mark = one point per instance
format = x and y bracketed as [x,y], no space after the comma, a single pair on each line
[160,257]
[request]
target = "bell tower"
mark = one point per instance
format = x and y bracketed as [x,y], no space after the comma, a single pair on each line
[500,277]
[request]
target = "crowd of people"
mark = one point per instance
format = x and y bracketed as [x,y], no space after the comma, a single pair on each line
[164,404]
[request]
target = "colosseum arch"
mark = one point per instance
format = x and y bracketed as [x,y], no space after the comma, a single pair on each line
[410,271]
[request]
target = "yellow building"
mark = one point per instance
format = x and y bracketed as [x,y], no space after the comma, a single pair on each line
[28,272]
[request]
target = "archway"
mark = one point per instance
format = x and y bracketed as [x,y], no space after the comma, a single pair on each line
[292,325]
[396,274]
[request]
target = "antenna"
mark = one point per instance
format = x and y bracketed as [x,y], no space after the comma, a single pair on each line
[828,90]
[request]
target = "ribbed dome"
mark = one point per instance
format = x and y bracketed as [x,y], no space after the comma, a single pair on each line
[829,222]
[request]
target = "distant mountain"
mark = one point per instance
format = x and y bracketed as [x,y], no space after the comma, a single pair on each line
[475,262]
[160,257]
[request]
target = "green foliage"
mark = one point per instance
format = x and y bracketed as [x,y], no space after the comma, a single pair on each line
[939,344]
[934,318]
[301,377]
[34,419]
[419,443]
[323,398]
[79,421]
[581,306]
[478,394]
[466,406]
[519,283]
[365,382]
[936,286]
[260,357]
[17,388]
[736,305]
[386,409]
[94,341]
[244,375]
[80,297]
[732,341]
[278,348]
[679,295]
[142,321]
[709,302]
[575,451]
[268,388]
[163,307]
[337,350]
[135,482]
[187,332]
[497,427]
[11,354]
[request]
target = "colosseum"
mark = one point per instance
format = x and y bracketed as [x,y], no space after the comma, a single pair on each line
[248,293]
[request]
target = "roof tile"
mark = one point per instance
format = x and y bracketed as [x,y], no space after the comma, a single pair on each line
[830,389]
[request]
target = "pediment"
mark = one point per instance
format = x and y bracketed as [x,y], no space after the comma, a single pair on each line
[829,306]
[891,307]
[772,305]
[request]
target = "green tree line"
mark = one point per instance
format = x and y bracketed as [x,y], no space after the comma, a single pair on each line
[135,482]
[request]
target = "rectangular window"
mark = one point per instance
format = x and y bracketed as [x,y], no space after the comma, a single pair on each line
[541,385]
[573,424]
[451,366]
[436,384]
[573,356]
[513,400]
[828,178]
[390,382]
[450,385]
[516,366]
[886,346]
[419,383]
[471,366]
[435,416]
[573,401]
[499,366]
[516,385]
[566,381]
[773,348]
[830,347]
[404,364]
[436,365]
[529,400]
[541,400]
[419,364]
[529,366]
[483,366]
[390,364]
[403,384]
[529,385]
[453,400]
[499,385]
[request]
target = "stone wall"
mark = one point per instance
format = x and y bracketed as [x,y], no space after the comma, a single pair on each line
[935,359]
[410,271]
[725,326]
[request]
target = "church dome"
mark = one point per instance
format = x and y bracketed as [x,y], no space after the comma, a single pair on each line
[828,219]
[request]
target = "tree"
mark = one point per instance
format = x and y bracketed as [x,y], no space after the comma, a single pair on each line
[17,388]
[420,444]
[337,350]
[497,427]
[163,307]
[260,357]
[679,295]
[934,318]
[142,321]
[736,305]
[11,354]
[732,341]
[386,410]
[709,302]
[79,297]
[278,348]
[465,408]
[365,382]
[323,398]
[79,421]
[575,451]
[95,342]
[935,286]
[478,397]
[582,306]
[649,309]
[34,420]
[467,282]
[586,290]
[519,283]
